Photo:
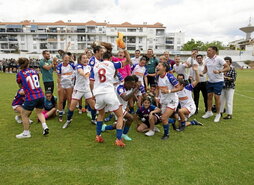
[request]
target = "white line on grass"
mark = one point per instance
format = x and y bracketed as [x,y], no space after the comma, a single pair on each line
[244,96]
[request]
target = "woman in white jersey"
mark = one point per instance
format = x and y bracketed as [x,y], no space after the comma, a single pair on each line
[81,88]
[167,88]
[65,82]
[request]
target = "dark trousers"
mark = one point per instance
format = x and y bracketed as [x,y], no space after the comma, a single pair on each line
[201,86]
[151,80]
[49,86]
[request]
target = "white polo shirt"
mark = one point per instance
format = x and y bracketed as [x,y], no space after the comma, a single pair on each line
[180,69]
[215,63]
[135,60]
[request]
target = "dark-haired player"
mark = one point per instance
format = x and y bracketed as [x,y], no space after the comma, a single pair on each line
[104,92]
[167,88]
[28,79]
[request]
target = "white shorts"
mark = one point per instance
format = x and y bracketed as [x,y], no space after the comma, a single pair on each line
[191,108]
[77,95]
[67,86]
[108,101]
[15,106]
[172,104]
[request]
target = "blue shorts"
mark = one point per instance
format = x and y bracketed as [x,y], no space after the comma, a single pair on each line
[215,88]
[30,105]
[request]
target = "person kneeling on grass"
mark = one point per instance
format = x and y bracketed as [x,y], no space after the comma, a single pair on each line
[17,105]
[149,116]
[124,93]
[50,105]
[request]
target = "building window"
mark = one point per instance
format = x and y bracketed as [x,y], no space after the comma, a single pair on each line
[131,30]
[121,29]
[131,48]
[22,37]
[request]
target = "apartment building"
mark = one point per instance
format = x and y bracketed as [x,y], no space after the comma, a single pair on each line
[33,37]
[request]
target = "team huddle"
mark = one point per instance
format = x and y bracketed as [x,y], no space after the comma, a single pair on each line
[115,87]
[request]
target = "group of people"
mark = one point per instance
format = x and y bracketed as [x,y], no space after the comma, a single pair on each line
[142,89]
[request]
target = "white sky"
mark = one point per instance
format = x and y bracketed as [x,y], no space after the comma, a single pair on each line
[205,20]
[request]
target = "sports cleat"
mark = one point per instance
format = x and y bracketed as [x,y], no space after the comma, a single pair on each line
[18,120]
[31,121]
[45,131]
[150,133]
[103,128]
[119,142]
[80,111]
[217,118]
[66,124]
[23,136]
[99,139]
[228,117]
[165,137]
[94,122]
[180,129]
[197,122]
[156,129]
[126,137]
[208,114]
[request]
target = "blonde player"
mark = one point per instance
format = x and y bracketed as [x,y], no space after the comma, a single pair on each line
[65,71]
[105,96]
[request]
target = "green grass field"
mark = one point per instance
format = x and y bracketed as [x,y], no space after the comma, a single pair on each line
[217,153]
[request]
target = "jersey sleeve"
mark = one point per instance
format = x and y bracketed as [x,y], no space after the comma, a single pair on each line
[91,61]
[142,89]
[72,65]
[59,69]
[189,87]
[133,67]
[41,64]
[172,79]
[138,112]
[79,67]
[152,107]
[120,89]
[117,65]
[18,78]
[120,77]
[146,73]
[92,75]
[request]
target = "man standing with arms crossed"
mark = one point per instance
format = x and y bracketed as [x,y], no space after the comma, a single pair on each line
[215,66]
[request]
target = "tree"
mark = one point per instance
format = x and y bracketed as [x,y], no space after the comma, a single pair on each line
[201,46]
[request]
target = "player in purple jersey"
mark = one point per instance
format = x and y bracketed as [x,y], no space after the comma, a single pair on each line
[28,79]
[149,116]
[17,104]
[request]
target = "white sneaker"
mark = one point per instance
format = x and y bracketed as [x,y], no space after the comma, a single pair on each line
[23,136]
[17,118]
[80,111]
[208,114]
[156,129]
[94,122]
[66,124]
[217,118]
[31,121]
[150,133]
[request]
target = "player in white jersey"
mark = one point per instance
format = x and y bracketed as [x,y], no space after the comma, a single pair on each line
[140,71]
[167,88]
[65,81]
[81,88]
[105,96]
[188,107]
[124,93]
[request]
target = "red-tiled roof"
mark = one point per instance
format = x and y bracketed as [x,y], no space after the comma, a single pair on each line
[89,23]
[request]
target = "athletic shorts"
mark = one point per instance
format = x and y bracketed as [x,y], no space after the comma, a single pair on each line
[108,102]
[77,95]
[146,121]
[30,105]
[191,108]
[67,86]
[215,88]
[172,104]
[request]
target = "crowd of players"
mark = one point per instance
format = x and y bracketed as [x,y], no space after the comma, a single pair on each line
[159,90]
